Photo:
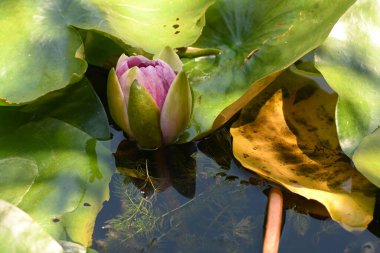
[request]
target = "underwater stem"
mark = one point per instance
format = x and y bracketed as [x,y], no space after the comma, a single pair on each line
[273,222]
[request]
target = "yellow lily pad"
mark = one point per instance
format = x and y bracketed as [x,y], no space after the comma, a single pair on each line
[292,140]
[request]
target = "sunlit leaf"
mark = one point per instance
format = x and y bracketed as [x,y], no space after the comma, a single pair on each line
[150,24]
[17,176]
[70,247]
[292,140]
[366,157]
[41,51]
[257,39]
[349,60]
[72,180]
[20,234]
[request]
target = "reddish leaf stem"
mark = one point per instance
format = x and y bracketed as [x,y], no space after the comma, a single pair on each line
[273,221]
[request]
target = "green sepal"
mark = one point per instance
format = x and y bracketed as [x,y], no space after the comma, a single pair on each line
[169,56]
[116,103]
[176,111]
[118,98]
[144,117]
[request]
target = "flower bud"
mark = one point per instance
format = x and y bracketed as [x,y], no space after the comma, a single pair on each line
[148,99]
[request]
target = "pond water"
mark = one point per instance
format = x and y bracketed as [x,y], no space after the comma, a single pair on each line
[197,198]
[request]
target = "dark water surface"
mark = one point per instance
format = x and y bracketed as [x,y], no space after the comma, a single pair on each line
[196,198]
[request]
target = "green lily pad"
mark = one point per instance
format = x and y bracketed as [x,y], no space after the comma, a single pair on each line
[77,105]
[104,52]
[20,170]
[73,175]
[41,51]
[20,234]
[101,51]
[257,39]
[366,157]
[70,247]
[150,25]
[305,68]
[349,61]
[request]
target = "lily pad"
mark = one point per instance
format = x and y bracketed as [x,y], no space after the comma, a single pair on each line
[150,25]
[292,140]
[349,61]
[77,105]
[39,52]
[101,51]
[72,181]
[70,247]
[21,170]
[20,234]
[257,39]
[366,157]
[42,51]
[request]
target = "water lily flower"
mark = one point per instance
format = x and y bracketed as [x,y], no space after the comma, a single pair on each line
[148,99]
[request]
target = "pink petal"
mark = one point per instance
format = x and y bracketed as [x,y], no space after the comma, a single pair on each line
[155,75]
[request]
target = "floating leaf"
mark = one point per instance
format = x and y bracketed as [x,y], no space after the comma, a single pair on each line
[77,105]
[366,157]
[70,247]
[101,51]
[305,68]
[293,141]
[20,234]
[349,60]
[150,25]
[17,176]
[41,51]
[72,180]
[257,39]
